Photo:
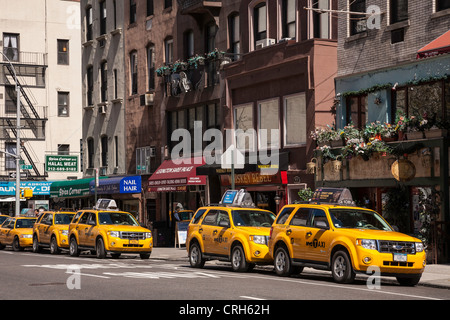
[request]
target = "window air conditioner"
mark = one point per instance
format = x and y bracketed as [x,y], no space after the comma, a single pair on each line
[264,43]
[149,99]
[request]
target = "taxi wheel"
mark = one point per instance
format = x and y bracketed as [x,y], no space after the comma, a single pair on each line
[341,268]
[16,244]
[73,247]
[238,262]
[100,251]
[282,262]
[36,247]
[54,246]
[195,256]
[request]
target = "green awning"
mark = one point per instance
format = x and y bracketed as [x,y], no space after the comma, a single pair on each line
[71,188]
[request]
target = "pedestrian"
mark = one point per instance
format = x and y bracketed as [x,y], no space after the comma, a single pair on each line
[36,212]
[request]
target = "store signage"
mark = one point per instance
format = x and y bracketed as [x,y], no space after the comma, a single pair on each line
[61,163]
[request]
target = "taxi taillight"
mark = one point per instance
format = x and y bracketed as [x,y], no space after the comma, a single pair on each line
[271,230]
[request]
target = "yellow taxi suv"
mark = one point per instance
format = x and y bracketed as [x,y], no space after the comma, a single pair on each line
[229,233]
[17,232]
[345,240]
[51,230]
[108,231]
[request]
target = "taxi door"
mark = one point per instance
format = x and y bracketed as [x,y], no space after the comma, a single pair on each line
[296,232]
[221,234]
[92,230]
[6,230]
[82,228]
[207,228]
[317,240]
[45,228]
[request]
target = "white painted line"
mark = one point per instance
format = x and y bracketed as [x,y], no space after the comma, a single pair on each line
[251,298]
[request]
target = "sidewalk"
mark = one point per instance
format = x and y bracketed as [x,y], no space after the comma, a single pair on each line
[435,275]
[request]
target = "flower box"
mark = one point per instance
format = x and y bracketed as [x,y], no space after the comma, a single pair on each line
[414,135]
[435,133]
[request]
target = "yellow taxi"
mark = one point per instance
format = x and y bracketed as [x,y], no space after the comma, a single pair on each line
[51,230]
[17,232]
[104,230]
[345,240]
[238,234]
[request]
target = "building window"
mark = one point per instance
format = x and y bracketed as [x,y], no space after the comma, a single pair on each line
[104,81]
[89,19]
[10,161]
[260,22]
[143,160]
[104,144]
[399,10]
[102,17]
[188,44]
[357,110]
[11,46]
[132,11]
[397,35]
[133,72]
[10,99]
[295,120]
[167,4]
[288,21]
[91,152]
[442,5]
[151,68]
[168,51]
[90,85]
[63,104]
[243,120]
[234,35]
[358,23]
[149,8]
[63,149]
[321,20]
[116,151]
[63,51]
[268,124]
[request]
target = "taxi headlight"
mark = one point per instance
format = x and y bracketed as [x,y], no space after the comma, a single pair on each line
[148,235]
[115,234]
[26,236]
[419,246]
[367,244]
[64,232]
[258,239]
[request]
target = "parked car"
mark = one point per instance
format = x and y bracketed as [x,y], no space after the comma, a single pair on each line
[17,232]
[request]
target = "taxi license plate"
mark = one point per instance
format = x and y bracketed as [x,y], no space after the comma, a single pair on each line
[400,257]
[134,241]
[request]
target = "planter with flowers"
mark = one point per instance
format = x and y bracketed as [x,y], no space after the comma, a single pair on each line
[327,136]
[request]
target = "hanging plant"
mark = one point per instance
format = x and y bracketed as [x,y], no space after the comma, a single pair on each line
[163,71]
[196,61]
[179,66]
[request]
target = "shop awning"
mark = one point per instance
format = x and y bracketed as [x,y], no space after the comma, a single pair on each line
[71,188]
[436,47]
[130,184]
[170,175]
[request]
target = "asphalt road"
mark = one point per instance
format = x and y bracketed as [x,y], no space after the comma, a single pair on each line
[26,275]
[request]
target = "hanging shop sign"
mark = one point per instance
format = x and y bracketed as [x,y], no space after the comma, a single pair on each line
[403,170]
[61,163]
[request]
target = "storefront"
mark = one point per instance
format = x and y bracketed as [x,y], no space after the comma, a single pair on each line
[41,192]
[126,191]
[178,187]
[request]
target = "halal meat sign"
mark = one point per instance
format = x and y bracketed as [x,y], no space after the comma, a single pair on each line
[61,163]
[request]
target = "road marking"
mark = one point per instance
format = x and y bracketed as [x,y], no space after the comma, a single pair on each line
[251,298]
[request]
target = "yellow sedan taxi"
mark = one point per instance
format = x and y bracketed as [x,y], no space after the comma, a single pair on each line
[17,232]
[233,233]
[51,230]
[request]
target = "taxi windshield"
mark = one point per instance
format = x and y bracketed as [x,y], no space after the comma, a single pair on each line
[358,219]
[252,218]
[63,218]
[25,223]
[119,218]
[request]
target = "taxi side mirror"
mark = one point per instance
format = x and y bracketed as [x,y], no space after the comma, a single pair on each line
[224,224]
[321,224]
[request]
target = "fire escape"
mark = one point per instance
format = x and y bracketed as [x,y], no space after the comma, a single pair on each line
[30,69]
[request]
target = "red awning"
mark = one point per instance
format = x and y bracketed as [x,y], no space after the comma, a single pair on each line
[436,47]
[173,176]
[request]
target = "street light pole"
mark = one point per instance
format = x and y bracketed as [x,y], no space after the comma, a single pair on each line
[16,81]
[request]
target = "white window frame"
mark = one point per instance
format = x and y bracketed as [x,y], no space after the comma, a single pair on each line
[258,126]
[285,118]
[252,144]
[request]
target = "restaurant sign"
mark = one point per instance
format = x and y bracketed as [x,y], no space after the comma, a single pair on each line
[61,163]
